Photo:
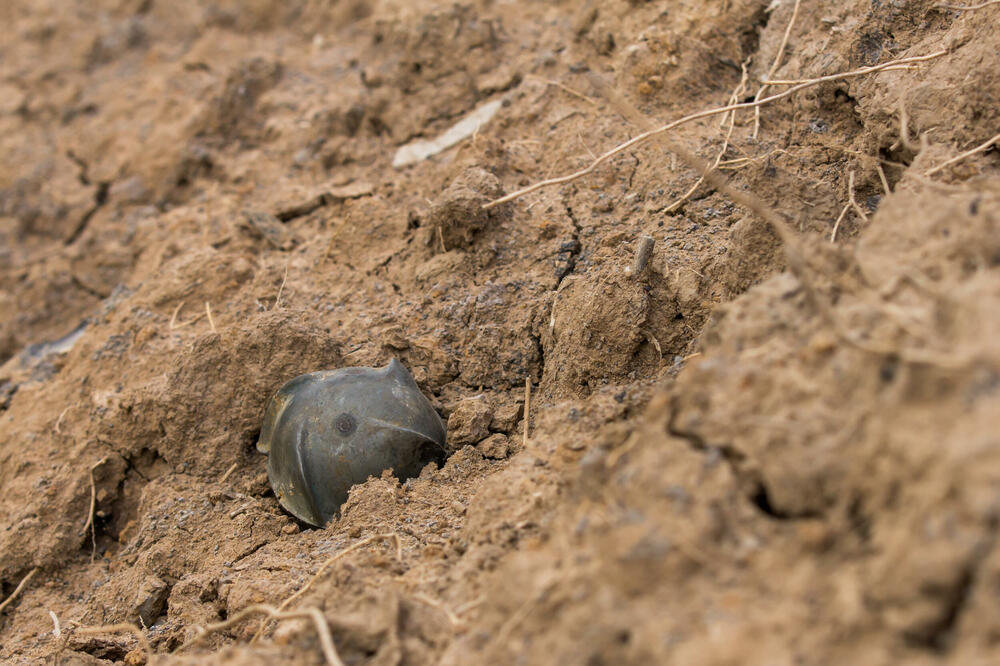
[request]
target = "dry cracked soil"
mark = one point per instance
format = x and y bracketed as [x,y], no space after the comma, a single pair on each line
[775,443]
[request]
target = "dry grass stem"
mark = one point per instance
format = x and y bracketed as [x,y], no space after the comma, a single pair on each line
[211,322]
[774,67]
[904,129]
[885,181]
[232,468]
[466,607]
[93,505]
[656,343]
[58,426]
[433,603]
[647,135]
[277,299]
[322,628]
[967,8]
[120,629]
[327,564]
[17,590]
[836,225]
[564,88]
[503,636]
[969,153]
[440,235]
[795,82]
[173,317]
[585,146]
[242,509]
[851,200]
[733,98]
[717,180]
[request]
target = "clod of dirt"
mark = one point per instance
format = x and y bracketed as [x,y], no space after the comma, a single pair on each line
[594,332]
[150,599]
[506,416]
[495,446]
[469,422]
[459,213]
[232,114]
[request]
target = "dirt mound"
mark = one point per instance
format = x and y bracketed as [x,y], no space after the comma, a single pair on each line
[774,443]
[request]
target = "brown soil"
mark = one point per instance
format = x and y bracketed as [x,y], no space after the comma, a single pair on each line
[750,453]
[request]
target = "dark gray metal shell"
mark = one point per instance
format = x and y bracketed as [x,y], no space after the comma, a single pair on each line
[326,431]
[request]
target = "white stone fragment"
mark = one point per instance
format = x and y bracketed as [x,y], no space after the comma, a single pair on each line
[418,151]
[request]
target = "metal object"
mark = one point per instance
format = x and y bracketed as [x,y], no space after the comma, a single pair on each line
[326,431]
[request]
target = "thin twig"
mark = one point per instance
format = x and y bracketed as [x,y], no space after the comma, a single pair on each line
[527,407]
[312,613]
[969,153]
[17,590]
[119,629]
[646,136]
[643,253]
[232,468]
[242,509]
[327,564]
[774,67]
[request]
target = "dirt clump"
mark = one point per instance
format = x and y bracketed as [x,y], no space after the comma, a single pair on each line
[775,444]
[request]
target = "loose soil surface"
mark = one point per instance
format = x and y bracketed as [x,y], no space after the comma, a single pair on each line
[776,444]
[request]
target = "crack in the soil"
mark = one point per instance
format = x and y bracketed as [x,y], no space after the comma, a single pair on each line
[100,195]
[247,554]
[100,198]
[759,497]
[82,165]
[569,251]
[939,637]
[731,455]
[79,284]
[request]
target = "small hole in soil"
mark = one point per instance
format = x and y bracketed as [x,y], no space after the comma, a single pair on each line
[763,502]
[860,523]
[888,370]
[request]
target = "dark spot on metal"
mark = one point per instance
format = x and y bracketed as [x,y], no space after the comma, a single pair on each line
[345,424]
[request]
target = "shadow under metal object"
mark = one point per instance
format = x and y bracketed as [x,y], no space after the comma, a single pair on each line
[327,431]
